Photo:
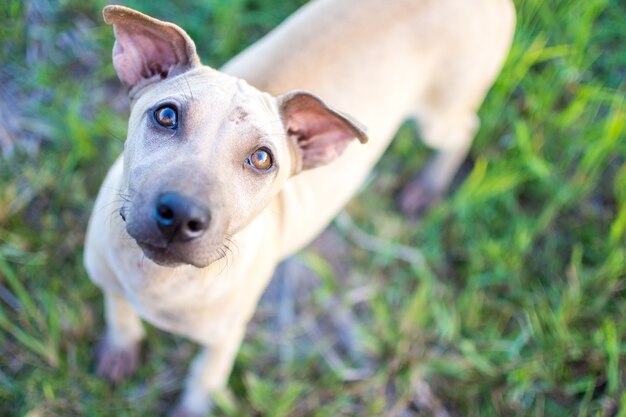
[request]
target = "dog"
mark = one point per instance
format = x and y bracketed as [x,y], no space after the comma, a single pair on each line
[225,173]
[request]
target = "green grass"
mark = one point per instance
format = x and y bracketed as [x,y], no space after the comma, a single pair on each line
[516,309]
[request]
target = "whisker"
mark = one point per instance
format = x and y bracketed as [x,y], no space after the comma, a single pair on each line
[109,132]
[271,122]
[189,88]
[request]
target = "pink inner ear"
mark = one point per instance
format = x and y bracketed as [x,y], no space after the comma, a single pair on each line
[140,54]
[317,130]
[321,137]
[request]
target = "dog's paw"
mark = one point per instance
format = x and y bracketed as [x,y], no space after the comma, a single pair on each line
[417,197]
[114,363]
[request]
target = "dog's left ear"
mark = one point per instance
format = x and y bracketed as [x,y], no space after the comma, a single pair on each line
[319,132]
[147,49]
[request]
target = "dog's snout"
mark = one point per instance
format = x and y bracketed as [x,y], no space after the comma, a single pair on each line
[180,218]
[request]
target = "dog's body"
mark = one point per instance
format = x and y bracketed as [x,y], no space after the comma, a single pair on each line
[380,61]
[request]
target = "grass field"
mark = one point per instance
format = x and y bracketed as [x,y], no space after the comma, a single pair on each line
[507,299]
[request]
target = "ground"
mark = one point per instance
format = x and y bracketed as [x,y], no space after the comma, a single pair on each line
[506,299]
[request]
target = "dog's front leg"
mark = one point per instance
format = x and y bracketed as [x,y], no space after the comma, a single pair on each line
[118,352]
[209,373]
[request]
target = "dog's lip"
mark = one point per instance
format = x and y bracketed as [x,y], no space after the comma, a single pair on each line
[159,255]
[165,254]
[152,246]
[165,257]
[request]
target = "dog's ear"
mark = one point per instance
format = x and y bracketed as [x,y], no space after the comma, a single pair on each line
[147,49]
[319,132]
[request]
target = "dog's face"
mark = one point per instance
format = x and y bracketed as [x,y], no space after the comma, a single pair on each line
[206,152]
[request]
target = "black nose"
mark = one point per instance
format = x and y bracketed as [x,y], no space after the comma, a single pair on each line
[180,218]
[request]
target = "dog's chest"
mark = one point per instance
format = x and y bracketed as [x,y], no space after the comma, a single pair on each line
[202,304]
[180,300]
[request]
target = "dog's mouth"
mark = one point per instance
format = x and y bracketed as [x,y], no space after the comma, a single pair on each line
[161,255]
[172,256]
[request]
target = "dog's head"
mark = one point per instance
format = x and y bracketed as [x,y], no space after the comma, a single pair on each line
[206,152]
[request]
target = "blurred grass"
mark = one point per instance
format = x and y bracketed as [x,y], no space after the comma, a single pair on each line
[517,310]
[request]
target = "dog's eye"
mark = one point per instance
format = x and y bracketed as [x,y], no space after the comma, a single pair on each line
[261,159]
[166,116]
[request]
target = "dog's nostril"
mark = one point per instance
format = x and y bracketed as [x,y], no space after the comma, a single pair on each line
[195,226]
[165,213]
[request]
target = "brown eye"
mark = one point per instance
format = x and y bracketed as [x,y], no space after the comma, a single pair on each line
[261,159]
[166,116]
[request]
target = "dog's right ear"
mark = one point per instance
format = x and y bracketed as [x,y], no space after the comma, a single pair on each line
[147,49]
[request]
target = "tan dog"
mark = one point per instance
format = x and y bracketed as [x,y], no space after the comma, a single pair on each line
[222,178]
